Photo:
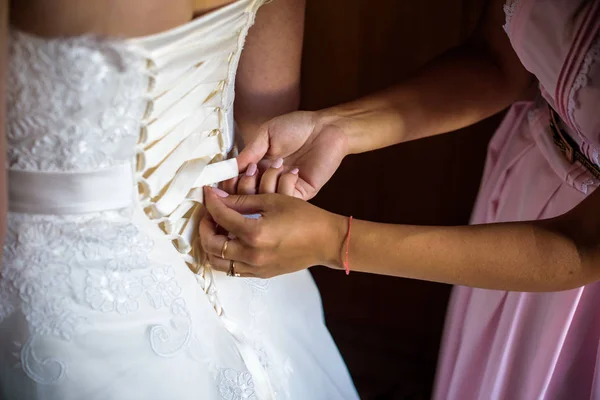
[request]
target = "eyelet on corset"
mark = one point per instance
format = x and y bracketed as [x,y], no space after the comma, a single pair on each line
[222,144]
[219,89]
[140,160]
[143,189]
[182,245]
[195,268]
[150,65]
[149,109]
[151,82]
[143,136]
[219,112]
[152,211]
[167,227]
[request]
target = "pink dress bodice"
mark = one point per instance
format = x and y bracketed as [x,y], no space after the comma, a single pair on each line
[558,41]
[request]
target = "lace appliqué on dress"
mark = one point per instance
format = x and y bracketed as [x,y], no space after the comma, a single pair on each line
[46,256]
[282,368]
[234,385]
[509,10]
[73,104]
[583,79]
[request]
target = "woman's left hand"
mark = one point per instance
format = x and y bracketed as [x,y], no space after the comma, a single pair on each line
[289,236]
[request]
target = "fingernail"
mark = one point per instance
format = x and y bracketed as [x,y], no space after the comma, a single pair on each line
[295,171]
[220,193]
[278,163]
[252,168]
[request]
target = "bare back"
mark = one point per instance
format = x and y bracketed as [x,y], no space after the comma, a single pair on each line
[132,18]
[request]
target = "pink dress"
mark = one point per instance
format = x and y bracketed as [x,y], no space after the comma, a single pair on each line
[509,345]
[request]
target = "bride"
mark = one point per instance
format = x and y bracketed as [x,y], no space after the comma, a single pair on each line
[112,131]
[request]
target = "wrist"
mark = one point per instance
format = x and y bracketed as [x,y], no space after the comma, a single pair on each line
[333,240]
[341,120]
[368,124]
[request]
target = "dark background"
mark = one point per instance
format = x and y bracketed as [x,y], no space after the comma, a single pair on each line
[388,329]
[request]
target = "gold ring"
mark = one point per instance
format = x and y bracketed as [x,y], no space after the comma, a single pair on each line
[224,248]
[231,271]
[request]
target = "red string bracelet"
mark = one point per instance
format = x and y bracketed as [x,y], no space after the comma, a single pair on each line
[346,261]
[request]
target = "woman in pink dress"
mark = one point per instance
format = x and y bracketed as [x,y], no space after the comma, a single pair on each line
[524,324]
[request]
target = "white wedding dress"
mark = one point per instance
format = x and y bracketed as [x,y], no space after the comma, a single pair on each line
[109,144]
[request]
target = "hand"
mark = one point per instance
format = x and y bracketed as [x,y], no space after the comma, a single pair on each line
[273,180]
[290,235]
[304,141]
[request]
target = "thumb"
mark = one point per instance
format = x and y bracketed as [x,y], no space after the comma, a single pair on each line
[255,150]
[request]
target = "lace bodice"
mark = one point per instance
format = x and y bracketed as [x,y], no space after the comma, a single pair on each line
[73,104]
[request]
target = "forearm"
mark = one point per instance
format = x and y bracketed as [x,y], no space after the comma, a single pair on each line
[528,256]
[458,89]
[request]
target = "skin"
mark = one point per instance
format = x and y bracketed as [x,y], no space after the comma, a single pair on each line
[458,89]
[3,177]
[131,18]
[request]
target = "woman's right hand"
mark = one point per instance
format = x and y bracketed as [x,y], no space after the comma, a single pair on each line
[267,245]
[290,234]
[303,140]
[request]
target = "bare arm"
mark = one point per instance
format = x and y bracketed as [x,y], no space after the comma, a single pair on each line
[3,60]
[268,80]
[463,86]
[551,255]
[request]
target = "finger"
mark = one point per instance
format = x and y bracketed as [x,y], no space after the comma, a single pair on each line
[287,183]
[219,206]
[264,165]
[304,190]
[207,226]
[215,245]
[248,181]
[245,270]
[268,181]
[230,185]
[254,204]
[211,236]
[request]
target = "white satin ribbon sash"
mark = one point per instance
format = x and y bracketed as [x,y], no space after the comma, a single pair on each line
[107,189]
[71,192]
